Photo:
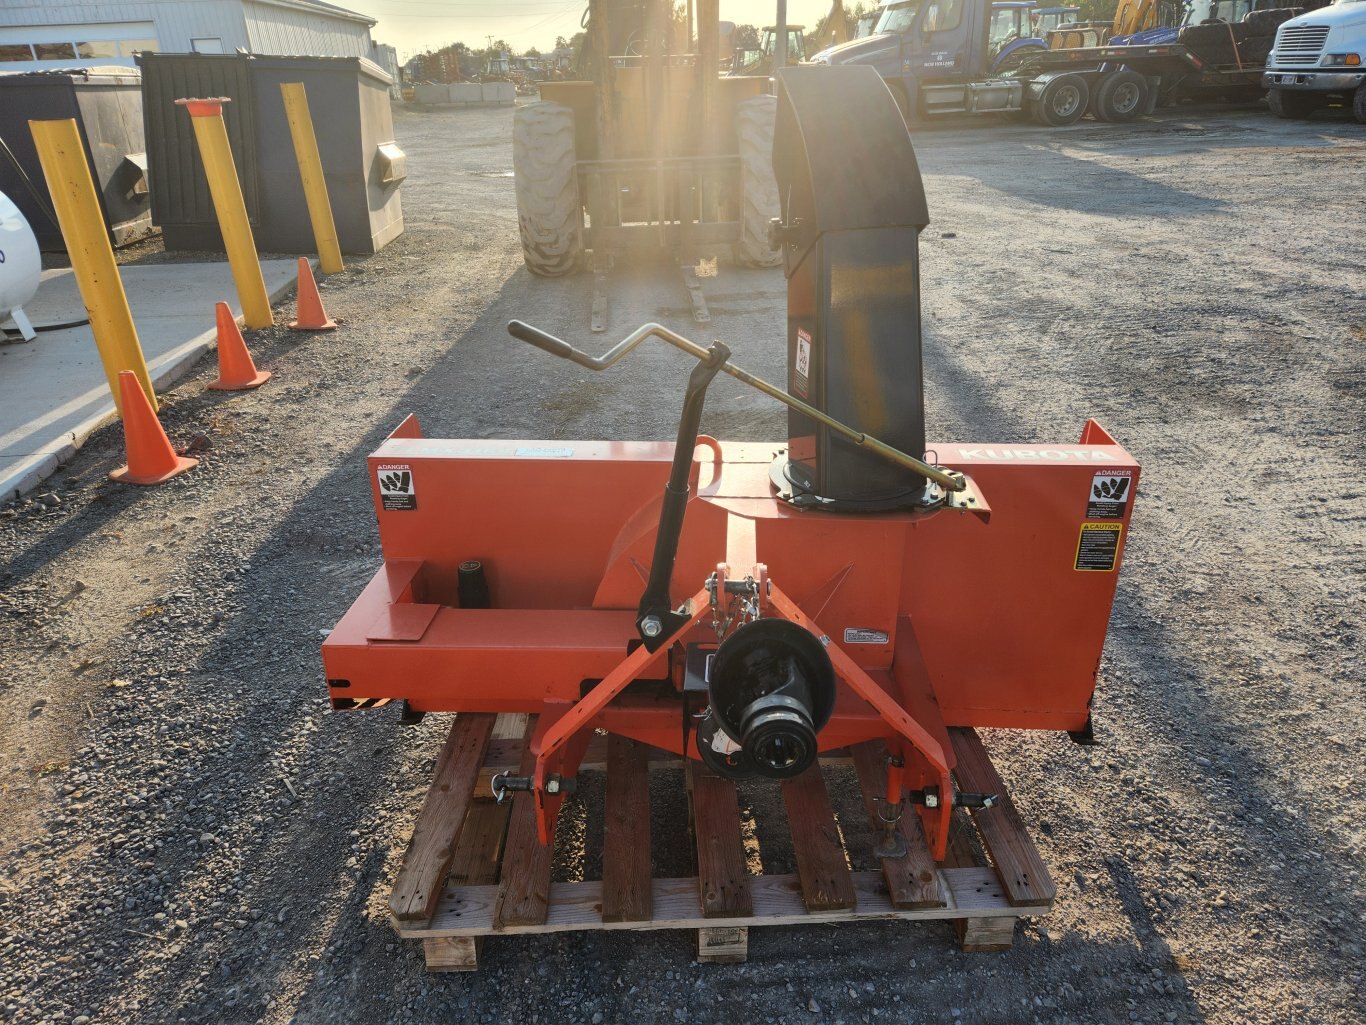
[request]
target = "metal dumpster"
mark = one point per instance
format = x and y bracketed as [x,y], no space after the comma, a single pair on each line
[106,104]
[349,100]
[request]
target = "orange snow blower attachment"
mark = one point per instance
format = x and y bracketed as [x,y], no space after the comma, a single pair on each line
[740,608]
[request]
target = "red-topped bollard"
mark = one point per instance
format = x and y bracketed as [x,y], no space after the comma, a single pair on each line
[212,135]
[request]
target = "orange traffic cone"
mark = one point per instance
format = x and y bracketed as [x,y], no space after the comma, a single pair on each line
[236,371]
[151,459]
[312,316]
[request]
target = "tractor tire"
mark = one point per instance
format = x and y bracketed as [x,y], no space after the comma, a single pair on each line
[1062,102]
[549,214]
[1359,103]
[903,103]
[754,121]
[1291,104]
[1120,97]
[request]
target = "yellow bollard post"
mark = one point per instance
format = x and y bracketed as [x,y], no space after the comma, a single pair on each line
[311,173]
[92,257]
[212,136]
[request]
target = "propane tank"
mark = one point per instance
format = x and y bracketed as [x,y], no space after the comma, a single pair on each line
[20,265]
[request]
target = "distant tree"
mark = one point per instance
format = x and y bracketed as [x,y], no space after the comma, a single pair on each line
[1097,10]
[561,43]
[678,28]
[532,52]
[577,63]
[746,37]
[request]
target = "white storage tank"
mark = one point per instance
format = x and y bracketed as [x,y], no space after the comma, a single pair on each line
[20,265]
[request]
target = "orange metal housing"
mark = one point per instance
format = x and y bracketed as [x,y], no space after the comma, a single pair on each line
[960,620]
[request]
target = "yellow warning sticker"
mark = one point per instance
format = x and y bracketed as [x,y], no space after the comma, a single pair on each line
[1098,547]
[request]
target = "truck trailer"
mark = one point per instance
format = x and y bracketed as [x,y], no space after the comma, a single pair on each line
[941,57]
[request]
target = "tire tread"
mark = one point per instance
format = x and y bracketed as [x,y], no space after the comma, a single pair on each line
[549,215]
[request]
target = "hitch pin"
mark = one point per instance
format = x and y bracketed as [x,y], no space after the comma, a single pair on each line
[929,797]
[502,784]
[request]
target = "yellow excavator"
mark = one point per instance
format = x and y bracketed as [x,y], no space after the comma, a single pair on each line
[1130,16]
[831,30]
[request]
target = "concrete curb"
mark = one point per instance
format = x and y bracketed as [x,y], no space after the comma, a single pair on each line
[25,475]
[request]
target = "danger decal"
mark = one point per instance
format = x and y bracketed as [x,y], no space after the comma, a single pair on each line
[1109,495]
[1098,547]
[397,489]
[801,367]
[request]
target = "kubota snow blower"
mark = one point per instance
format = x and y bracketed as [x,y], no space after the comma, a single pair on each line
[748,610]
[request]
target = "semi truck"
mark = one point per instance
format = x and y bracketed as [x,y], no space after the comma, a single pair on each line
[940,57]
[1319,58]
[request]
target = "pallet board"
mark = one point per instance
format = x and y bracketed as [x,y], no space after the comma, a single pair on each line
[439,823]
[1023,873]
[626,895]
[774,900]
[822,865]
[912,880]
[722,878]
[500,877]
[524,886]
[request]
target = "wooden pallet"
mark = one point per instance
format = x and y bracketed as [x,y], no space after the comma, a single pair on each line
[475,869]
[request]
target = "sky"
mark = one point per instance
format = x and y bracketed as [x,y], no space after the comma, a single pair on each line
[414,26]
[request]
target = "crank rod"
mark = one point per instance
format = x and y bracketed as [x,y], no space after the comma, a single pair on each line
[558,347]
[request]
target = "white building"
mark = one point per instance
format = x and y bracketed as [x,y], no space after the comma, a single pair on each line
[36,35]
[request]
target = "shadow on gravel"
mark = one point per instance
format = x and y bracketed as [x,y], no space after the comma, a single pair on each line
[314,865]
[1187,128]
[293,880]
[1140,917]
[110,502]
[1186,717]
[1093,187]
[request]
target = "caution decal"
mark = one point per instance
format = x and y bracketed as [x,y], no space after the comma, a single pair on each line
[397,489]
[1098,547]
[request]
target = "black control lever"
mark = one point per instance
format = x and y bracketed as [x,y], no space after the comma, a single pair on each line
[656,619]
[549,343]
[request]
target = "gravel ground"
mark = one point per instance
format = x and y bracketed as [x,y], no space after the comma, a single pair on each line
[187,834]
